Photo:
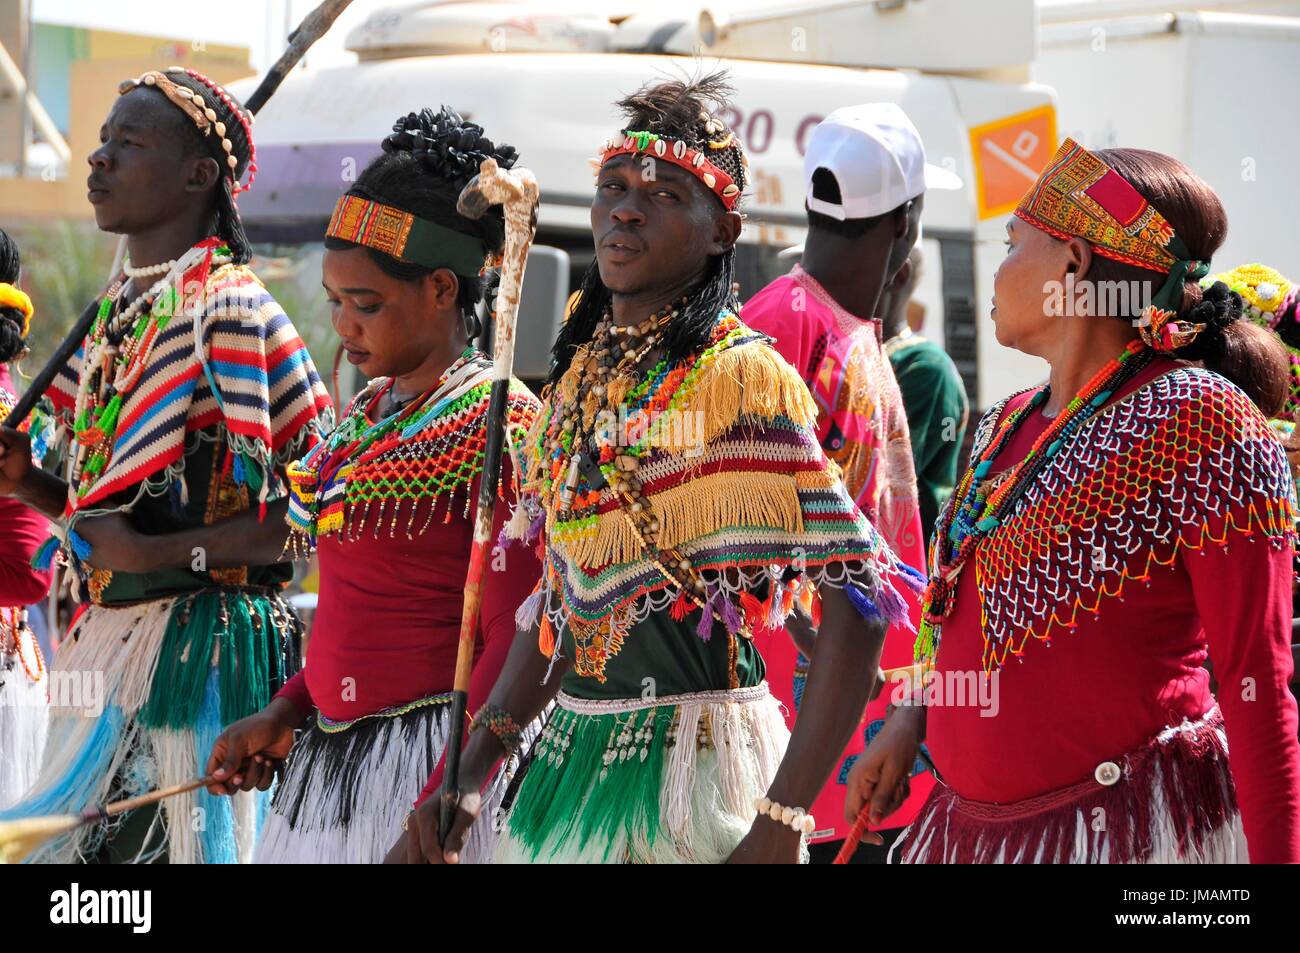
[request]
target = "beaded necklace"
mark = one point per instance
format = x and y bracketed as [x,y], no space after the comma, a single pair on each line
[664,387]
[432,445]
[981,502]
[147,271]
[605,371]
[117,352]
[17,641]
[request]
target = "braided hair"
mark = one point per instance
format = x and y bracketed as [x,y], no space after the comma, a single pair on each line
[427,160]
[686,110]
[11,319]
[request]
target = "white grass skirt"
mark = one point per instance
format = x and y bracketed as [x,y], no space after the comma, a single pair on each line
[347,789]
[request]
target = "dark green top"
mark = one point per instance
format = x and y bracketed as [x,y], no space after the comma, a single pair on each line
[935,400]
[661,656]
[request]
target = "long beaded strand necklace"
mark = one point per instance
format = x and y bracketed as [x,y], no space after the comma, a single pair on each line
[571,429]
[984,502]
[117,352]
[606,367]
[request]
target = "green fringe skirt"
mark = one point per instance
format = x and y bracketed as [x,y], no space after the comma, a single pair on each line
[659,780]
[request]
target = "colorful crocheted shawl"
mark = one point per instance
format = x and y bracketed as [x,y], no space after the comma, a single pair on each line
[1176,465]
[421,454]
[740,485]
[239,364]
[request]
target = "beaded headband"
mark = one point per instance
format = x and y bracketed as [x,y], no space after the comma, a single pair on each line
[676,151]
[1080,196]
[11,296]
[202,114]
[405,236]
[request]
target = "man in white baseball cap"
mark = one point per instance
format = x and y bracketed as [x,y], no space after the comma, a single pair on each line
[866,177]
[875,158]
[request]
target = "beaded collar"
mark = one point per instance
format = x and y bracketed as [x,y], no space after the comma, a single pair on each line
[430,448]
[982,502]
[1183,462]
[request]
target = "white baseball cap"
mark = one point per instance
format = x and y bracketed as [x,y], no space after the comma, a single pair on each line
[876,156]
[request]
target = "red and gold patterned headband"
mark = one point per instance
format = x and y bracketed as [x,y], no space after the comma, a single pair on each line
[694,161]
[1079,196]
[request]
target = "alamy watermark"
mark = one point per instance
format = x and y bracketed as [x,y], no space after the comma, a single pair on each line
[73,690]
[679,429]
[951,689]
[1071,298]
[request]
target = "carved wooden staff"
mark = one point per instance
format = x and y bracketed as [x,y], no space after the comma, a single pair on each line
[517,193]
[312,28]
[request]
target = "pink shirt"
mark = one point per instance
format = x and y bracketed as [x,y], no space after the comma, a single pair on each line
[862,426]
[22,530]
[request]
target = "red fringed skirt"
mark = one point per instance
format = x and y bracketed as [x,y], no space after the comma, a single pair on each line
[1170,801]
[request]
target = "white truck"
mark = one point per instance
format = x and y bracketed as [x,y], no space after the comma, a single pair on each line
[544,75]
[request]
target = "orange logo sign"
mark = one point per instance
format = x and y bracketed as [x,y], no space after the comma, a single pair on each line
[1008,154]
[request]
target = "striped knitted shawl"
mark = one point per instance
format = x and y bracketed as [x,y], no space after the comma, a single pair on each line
[245,370]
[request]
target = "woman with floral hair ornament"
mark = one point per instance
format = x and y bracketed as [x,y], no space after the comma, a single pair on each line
[1115,528]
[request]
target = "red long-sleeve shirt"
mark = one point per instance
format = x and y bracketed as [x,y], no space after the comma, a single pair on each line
[388,620]
[1121,677]
[22,530]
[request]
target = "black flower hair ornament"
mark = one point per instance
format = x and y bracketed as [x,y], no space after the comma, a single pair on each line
[446,145]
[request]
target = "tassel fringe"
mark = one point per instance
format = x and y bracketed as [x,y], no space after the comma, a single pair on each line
[749,380]
[345,793]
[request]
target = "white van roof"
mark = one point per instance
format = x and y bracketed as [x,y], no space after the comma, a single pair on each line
[323,125]
[937,35]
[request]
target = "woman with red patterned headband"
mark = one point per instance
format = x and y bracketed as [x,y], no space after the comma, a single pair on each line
[1115,528]
[189,396]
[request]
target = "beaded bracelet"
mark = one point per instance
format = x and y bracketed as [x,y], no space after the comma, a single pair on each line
[502,724]
[795,818]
